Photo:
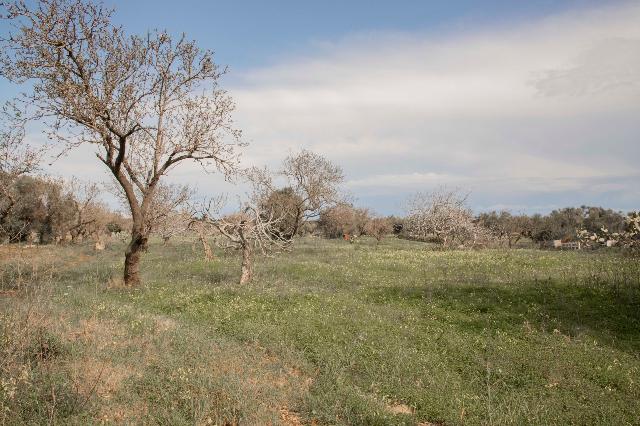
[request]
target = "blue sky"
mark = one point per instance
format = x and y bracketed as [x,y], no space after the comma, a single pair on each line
[529,105]
[253,33]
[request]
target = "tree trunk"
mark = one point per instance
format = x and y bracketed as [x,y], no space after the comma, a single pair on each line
[208,253]
[247,266]
[132,257]
[296,225]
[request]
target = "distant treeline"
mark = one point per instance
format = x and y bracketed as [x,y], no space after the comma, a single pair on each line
[47,210]
[562,224]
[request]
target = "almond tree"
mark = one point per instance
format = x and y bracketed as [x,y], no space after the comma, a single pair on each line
[314,182]
[252,228]
[167,216]
[378,228]
[83,197]
[146,103]
[202,230]
[311,185]
[175,222]
[248,230]
[444,216]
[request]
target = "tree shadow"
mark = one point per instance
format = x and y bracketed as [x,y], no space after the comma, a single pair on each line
[606,311]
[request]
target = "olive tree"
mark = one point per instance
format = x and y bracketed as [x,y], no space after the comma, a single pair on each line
[283,203]
[16,159]
[146,103]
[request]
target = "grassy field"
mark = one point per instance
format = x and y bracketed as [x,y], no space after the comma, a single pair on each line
[332,333]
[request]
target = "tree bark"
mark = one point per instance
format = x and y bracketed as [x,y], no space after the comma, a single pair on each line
[132,258]
[296,225]
[247,266]
[208,253]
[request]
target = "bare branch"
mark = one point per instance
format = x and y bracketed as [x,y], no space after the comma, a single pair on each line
[146,102]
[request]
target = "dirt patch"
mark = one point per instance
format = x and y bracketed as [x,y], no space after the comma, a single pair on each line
[115,283]
[165,324]
[399,409]
[99,333]
[124,414]
[76,260]
[95,377]
[289,418]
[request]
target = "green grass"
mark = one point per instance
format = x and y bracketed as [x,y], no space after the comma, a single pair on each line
[338,333]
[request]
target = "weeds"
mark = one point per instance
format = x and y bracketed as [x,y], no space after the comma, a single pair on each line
[332,333]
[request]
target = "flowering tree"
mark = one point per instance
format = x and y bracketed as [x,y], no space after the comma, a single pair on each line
[444,216]
[314,182]
[146,103]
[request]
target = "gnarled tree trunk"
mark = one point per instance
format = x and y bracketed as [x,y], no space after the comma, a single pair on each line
[132,257]
[208,253]
[247,264]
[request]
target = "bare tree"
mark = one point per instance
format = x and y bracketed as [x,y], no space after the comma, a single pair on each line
[83,197]
[247,231]
[147,103]
[314,182]
[251,228]
[167,216]
[378,228]
[174,223]
[202,230]
[444,216]
[343,220]
[504,226]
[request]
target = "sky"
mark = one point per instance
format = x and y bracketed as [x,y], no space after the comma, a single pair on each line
[527,105]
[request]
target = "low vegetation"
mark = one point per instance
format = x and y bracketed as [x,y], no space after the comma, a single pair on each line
[331,333]
[360,328]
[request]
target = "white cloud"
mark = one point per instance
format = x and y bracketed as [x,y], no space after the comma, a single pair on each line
[544,107]
[536,115]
